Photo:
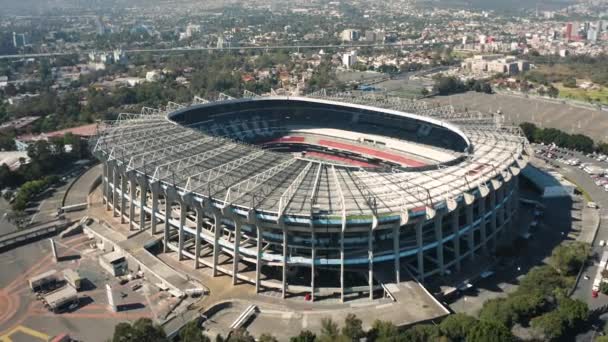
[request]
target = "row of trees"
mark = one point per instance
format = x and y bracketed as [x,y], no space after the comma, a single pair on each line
[458,327]
[579,142]
[446,85]
[541,300]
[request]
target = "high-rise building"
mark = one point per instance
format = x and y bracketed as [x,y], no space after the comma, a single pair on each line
[371,36]
[19,40]
[220,42]
[101,29]
[592,35]
[569,31]
[350,35]
[349,59]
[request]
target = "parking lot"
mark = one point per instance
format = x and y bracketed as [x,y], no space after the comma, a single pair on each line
[594,164]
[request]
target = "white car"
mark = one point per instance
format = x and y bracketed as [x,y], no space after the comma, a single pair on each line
[602,243]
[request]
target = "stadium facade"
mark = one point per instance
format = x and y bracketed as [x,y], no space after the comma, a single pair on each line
[327,195]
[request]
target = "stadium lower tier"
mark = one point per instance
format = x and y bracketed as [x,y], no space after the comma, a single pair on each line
[308,254]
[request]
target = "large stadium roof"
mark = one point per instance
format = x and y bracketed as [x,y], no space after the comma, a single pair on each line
[247,176]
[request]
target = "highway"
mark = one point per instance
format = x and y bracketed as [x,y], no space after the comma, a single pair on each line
[193,49]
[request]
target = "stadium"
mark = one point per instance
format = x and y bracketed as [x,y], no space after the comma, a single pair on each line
[323,195]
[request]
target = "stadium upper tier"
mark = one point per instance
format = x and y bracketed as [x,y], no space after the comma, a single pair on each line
[426,157]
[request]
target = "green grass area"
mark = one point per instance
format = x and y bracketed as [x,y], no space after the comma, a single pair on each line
[590,95]
[462,54]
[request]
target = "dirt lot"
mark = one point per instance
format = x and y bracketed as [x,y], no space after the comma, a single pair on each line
[593,123]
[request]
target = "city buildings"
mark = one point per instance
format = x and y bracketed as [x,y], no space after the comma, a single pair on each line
[350,35]
[493,64]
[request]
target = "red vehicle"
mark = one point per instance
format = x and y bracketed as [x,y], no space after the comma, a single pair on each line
[594,293]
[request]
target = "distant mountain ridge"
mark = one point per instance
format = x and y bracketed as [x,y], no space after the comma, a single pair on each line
[502,5]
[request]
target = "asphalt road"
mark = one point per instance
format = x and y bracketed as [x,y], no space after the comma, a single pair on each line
[598,195]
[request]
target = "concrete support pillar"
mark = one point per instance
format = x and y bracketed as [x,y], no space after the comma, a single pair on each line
[132,199]
[143,198]
[342,265]
[237,246]
[456,231]
[420,252]
[123,200]
[493,218]
[396,250]
[285,244]
[370,258]
[104,184]
[216,245]
[197,237]
[154,210]
[312,264]
[115,197]
[509,211]
[167,224]
[183,210]
[482,225]
[108,191]
[471,232]
[439,238]
[501,210]
[258,266]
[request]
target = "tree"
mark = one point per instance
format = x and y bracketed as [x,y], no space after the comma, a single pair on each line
[383,331]
[240,335]
[329,330]
[526,305]
[552,92]
[569,257]
[421,333]
[542,281]
[604,288]
[448,85]
[141,330]
[573,311]
[486,88]
[499,310]
[549,324]
[529,129]
[569,82]
[304,336]
[192,332]
[456,327]
[267,338]
[7,142]
[489,331]
[353,327]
